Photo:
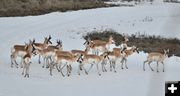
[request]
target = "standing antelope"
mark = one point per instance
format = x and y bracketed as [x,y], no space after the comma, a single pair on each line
[128,52]
[157,57]
[47,54]
[90,59]
[41,46]
[19,51]
[27,60]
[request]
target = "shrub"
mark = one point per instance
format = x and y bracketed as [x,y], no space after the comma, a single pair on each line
[142,41]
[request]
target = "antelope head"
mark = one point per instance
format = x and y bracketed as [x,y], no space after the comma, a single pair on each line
[135,49]
[111,40]
[166,52]
[126,38]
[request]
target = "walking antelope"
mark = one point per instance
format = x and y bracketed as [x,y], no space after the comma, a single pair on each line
[90,59]
[99,45]
[157,57]
[63,53]
[41,46]
[113,57]
[19,51]
[63,59]
[27,60]
[110,41]
[128,52]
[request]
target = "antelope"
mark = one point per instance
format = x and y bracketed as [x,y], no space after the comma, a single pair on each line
[157,57]
[128,52]
[110,41]
[99,45]
[41,46]
[49,52]
[63,53]
[46,54]
[27,60]
[63,59]
[19,51]
[113,57]
[90,59]
[96,48]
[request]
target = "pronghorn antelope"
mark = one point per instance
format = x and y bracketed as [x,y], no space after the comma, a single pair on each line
[99,45]
[128,52]
[19,51]
[157,57]
[62,53]
[90,59]
[47,54]
[110,41]
[113,57]
[64,60]
[27,60]
[41,46]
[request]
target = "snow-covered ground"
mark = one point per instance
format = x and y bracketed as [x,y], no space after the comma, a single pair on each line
[158,19]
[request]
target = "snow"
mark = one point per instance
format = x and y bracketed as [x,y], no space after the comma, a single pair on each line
[157,19]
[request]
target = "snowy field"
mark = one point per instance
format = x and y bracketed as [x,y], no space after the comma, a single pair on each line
[157,19]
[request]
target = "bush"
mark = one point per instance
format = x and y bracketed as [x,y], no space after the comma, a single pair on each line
[142,41]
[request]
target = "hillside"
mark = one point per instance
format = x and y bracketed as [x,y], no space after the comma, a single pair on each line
[37,7]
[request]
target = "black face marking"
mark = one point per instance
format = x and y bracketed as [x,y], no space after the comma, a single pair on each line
[33,50]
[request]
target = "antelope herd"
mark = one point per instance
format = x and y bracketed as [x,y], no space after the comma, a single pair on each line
[96,52]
